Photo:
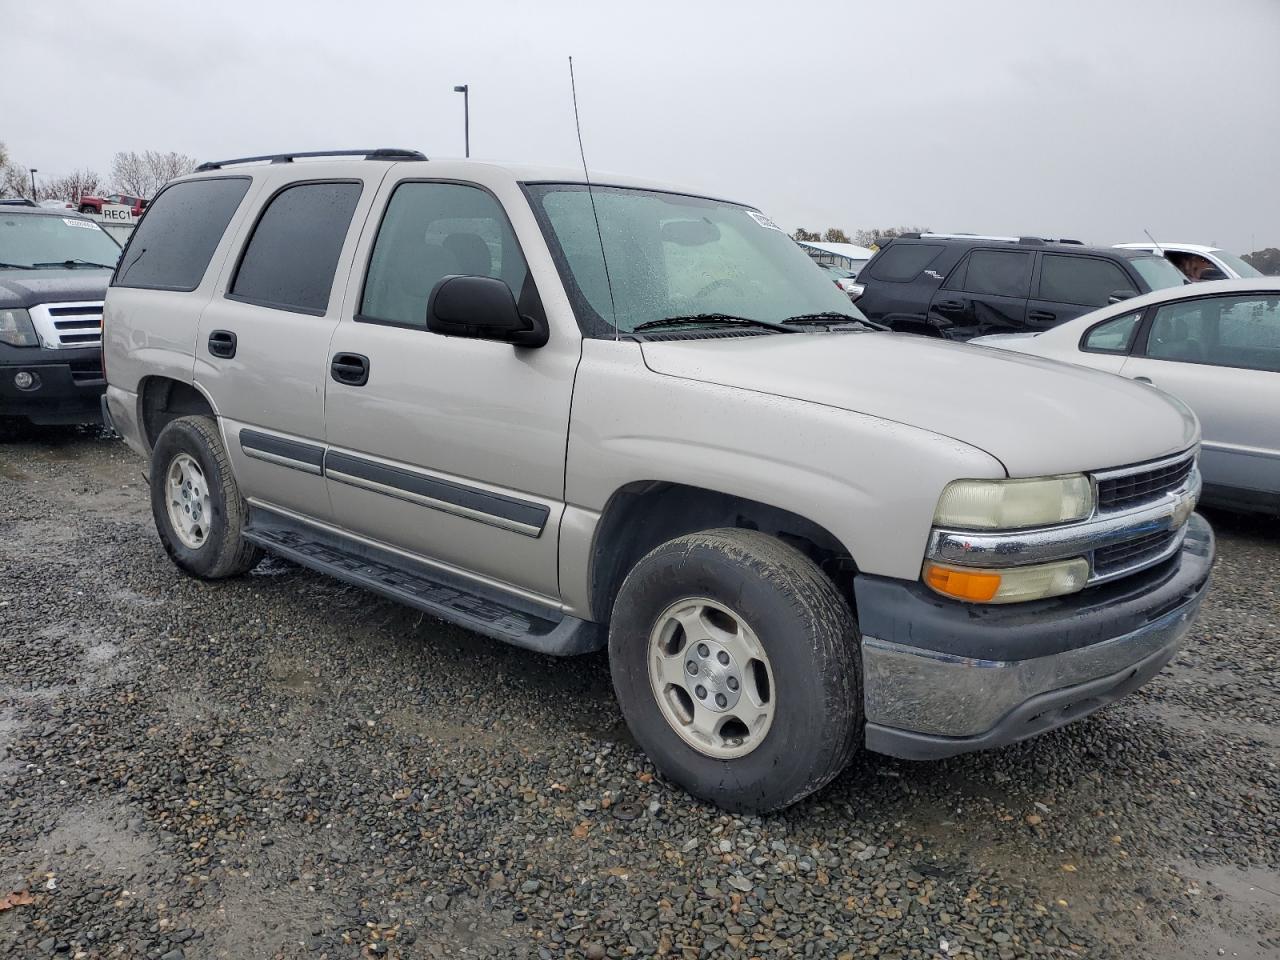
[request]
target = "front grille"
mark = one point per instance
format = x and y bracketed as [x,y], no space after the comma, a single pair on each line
[79,326]
[63,326]
[1132,552]
[1140,485]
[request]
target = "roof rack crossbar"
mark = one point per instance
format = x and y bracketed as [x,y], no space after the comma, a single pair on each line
[379,153]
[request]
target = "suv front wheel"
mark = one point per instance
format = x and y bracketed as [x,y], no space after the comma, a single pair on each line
[735,663]
[198,509]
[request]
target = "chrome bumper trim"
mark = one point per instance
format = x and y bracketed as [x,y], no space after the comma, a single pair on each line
[1011,548]
[935,693]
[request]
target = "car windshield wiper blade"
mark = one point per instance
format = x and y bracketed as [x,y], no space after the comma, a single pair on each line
[16,266]
[830,316]
[710,319]
[75,263]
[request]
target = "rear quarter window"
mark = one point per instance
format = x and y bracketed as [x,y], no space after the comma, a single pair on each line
[172,246]
[904,261]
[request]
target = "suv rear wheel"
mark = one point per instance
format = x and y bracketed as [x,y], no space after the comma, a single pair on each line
[735,663]
[197,506]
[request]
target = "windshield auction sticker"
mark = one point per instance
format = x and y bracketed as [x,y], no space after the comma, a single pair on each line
[764,221]
[86,224]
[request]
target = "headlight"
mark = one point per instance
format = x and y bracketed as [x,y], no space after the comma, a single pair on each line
[1013,504]
[17,330]
[1010,585]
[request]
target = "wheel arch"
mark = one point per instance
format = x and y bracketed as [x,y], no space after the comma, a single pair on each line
[163,399]
[643,514]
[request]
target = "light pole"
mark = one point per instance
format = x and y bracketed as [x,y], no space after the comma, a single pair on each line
[465,90]
[34,171]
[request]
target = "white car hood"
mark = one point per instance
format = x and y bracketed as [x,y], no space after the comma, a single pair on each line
[1036,416]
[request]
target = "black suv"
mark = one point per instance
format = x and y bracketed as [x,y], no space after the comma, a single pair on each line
[54,269]
[961,286]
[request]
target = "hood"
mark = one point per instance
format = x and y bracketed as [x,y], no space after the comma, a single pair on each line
[1035,416]
[26,288]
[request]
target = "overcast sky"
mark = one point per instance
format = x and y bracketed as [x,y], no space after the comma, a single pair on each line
[1080,119]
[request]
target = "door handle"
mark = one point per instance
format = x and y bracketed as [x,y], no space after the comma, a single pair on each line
[350,368]
[1043,316]
[222,343]
[949,306]
[1144,380]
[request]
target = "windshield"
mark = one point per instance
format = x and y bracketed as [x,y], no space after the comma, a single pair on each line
[675,256]
[28,240]
[1242,267]
[1158,272]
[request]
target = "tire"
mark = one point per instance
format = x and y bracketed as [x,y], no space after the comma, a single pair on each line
[811,671]
[87,208]
[216,548]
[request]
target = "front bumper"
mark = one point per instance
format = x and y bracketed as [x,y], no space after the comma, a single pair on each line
[68,384]
[942,677]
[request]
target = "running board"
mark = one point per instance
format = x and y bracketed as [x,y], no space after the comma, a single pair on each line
[447,596]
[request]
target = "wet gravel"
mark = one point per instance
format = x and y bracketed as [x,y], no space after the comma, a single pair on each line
[282,766]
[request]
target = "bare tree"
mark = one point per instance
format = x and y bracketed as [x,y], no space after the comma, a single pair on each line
[143,174]
[72,186]
[835,235]
[878,235]
[803,234]
[15,181]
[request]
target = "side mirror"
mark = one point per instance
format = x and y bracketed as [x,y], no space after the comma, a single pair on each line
[1118,295]
[483,308]
[1212,273]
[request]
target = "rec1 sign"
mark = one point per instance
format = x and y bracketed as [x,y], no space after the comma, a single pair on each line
[117,213]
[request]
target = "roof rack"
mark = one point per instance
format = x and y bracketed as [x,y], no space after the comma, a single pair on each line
[1026,241]
[380,153]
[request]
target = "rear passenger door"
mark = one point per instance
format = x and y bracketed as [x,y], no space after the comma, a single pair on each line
[1069,286]
[452,449]
[986,293]
[262,348]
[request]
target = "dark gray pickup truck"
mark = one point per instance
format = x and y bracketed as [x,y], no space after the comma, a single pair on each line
[54,270]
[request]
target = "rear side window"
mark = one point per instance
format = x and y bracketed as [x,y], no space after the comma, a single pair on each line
[1083,280]
[431,231]
[904,261]
[289,261]
[172,246]
[998,273]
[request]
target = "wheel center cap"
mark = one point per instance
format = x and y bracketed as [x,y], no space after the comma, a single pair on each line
[714,679]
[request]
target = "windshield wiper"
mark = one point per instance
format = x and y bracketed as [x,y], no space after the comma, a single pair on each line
[832,317]
[75,263]
[710,319]
[16,266]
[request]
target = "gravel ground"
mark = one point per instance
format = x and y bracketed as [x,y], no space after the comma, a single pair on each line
[282,766]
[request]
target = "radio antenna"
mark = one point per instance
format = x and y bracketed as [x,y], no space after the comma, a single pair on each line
[1159,249]
[573,87]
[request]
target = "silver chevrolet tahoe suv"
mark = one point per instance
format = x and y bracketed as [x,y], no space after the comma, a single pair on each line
[616,415]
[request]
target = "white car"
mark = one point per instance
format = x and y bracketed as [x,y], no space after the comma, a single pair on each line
[1199,258]
[1216,346]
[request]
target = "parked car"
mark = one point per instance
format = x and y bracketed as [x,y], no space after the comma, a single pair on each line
[419,377]
[57,204]
[846,280]
[1197,261]
[16,202]
[54,268]
[1214,345]
[95,204]
[961,286]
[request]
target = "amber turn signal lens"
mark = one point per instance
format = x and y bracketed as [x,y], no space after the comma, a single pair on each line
[972,585]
